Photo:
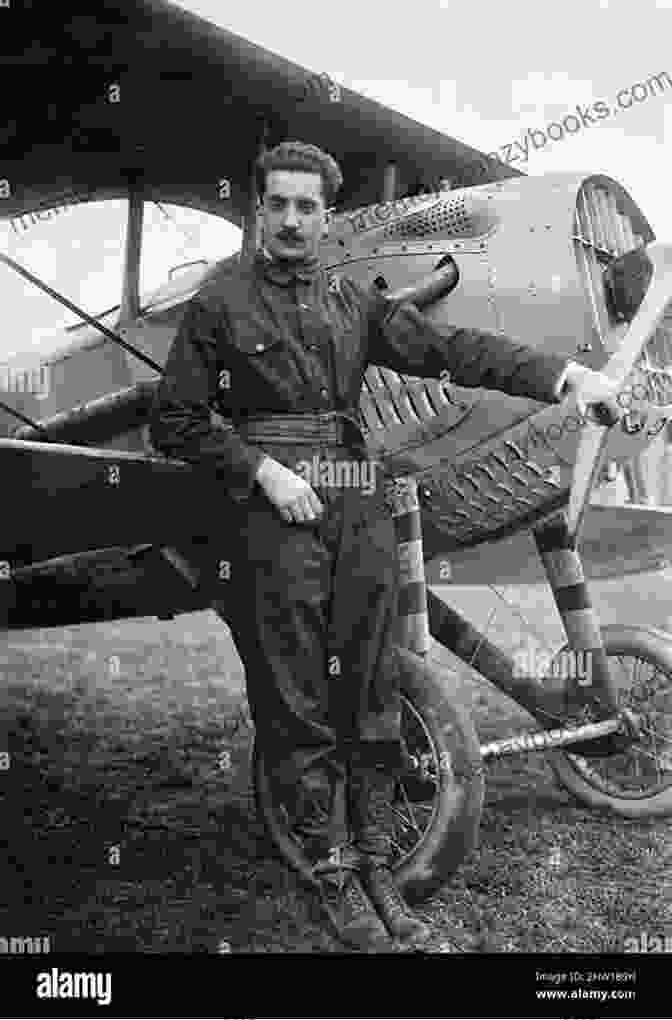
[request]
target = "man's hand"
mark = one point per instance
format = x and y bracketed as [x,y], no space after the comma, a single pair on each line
[288,492]
[588,386]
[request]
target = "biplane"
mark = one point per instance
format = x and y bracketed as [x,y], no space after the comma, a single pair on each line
[153,104]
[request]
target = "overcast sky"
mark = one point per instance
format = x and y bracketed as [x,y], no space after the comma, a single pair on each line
[482,72]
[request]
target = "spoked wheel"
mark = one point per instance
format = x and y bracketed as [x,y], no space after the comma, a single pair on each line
[434,820]
[636,783]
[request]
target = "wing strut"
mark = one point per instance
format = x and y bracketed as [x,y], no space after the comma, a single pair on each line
[389,183]
[79,313]
[594,439]
[130,294]
[22,417]
[250,241]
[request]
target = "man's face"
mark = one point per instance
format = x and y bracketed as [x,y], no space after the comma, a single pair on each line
[294,213]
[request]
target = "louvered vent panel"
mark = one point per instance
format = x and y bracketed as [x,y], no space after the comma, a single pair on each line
[447,216]
[389,398]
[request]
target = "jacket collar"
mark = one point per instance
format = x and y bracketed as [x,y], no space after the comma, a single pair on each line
[285,272]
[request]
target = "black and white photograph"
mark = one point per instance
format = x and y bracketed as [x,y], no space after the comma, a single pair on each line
[324,634]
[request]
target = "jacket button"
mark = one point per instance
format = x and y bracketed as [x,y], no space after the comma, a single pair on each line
[324,393]
[259,347]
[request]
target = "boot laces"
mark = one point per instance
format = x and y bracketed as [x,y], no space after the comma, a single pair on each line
[390,895]
[354,895]
[341,866]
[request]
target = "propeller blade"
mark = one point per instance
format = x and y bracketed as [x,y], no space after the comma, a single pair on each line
[595,434]
[588,462]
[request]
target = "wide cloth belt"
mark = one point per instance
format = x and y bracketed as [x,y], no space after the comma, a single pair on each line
[335,428]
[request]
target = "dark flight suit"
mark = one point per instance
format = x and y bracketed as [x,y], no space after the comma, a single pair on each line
[312,607]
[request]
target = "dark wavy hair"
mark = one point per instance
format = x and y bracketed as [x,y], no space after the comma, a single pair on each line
[304,157]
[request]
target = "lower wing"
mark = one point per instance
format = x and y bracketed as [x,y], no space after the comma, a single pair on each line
[615,540]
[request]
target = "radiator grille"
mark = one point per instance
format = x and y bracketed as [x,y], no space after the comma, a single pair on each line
[603,230]
[653,368]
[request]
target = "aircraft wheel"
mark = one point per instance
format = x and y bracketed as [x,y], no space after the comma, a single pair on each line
[636,783]
[436,813]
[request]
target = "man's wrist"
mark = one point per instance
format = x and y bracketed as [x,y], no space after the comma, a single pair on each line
[262,467]
[572,371]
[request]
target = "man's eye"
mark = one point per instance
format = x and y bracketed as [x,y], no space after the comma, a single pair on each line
[307,207]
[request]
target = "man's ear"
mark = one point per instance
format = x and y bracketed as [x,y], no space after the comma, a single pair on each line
[259,224]
[327,223]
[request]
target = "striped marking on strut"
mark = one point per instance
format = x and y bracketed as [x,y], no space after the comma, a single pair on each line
[411,562]
[583,632]
[413,599]
[413,616]
[572,598]
[563,567]
[413,632]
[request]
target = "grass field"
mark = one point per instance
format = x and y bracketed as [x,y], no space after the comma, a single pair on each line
[130,825]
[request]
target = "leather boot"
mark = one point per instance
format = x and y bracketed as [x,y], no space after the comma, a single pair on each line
[371,796]
[400,920]
[316,814]
[310,816]
[348,907]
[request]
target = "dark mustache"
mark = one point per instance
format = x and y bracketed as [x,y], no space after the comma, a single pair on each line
[289,235]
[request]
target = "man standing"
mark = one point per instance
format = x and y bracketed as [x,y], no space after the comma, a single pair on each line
[281,349]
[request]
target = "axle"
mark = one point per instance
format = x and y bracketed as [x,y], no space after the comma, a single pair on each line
[550,738]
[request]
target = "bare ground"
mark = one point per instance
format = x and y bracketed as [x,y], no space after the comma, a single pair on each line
[130,825]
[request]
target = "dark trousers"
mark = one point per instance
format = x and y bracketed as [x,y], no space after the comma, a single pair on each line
[312,609]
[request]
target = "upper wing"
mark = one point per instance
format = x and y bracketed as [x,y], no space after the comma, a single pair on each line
[146,89]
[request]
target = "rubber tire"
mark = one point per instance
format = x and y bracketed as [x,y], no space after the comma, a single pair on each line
[654,646]
[452,834]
